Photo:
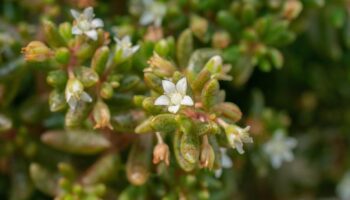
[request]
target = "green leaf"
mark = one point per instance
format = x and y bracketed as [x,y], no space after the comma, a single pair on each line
[83,142]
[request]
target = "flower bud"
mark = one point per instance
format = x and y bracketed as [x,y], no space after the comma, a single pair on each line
[36,51]
[160,66]
[87,76]
[292,9]
[162,47]
[57,101]
[221,39]
[65,30]
[207,155]
[57,78]
[199,27]
[161,153]
[106,90]
[102,115]
[62,55]
[214,65]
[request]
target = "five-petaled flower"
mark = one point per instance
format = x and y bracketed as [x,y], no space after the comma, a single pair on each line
[174,95]
[124,48]
[237,136]
[75,93]
[279,148]
[343,187]
[153,13]
[85,23]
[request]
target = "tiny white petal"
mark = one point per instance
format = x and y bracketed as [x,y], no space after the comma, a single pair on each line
[75,13]
[76,31]
[92,34]
[181,86]
[135,48]
[218,173]
[89,13]
[72,102]
[146,18]
[85,97]
[162,101]
[168,87]
[97,23]
[126,40]
[276,162]
[226,161]
[174,109]
[187,100]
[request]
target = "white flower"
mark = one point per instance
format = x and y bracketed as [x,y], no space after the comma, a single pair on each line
[237,136]
[174,95]
[75,92]
[153,13]
[279,148]
[343,188]
[226,162]
[124,48]
[85,23]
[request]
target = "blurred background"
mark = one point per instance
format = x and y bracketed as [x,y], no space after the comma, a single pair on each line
[291,72]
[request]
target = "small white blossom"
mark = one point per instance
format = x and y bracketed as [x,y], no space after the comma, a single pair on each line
[343,188]
[279,148]
[226,162]
[174,95]
[75,92]
[153,13]
[85,23]
[237,136]
[124,48]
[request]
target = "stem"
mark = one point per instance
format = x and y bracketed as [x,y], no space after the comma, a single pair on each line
[205,140]
[222,123]
[159,138]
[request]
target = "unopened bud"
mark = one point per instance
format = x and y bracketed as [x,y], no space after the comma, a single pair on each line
[207,156]
[102,115]
[160,66]
[87,76]
[214,65]
[57,78]
[221,40]
[106,90]
[292,9]
[199,27]
[62,55]
[162,47]
[36,51]
[161,153]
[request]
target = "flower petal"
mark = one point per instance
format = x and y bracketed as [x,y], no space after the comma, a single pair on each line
[276,162]
[135,48]
[85,97]
[89,13]
[75,14]
[162,101]
[181,86]
[218,173]
[187,101]
[226,161]
[97,23]
[174,109]
[92,34]
[168,87]
[126,40]
[72,102]
[146,18]
[76,31]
